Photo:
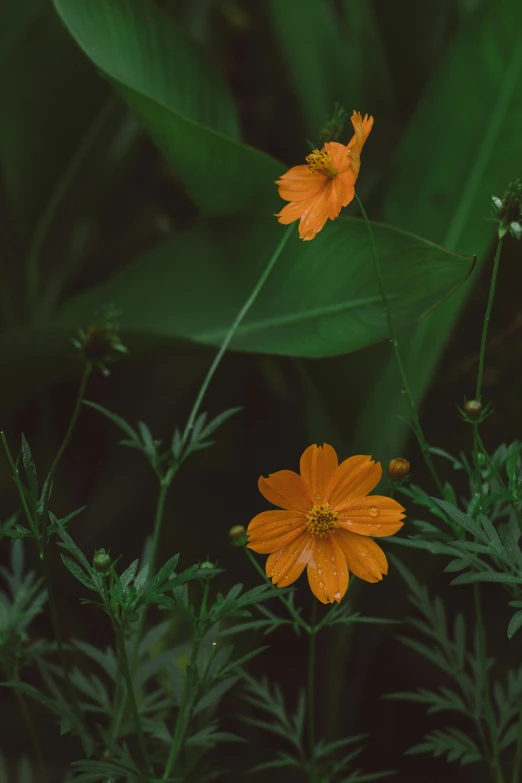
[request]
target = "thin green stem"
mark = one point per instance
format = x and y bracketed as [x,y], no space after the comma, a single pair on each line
[311,691]
[43,774]
[158,524]
[45,221]
[517,763]
[18,483]
[483,666]
[187,698]
[487,317]
[65,442]
[124,661]
[417,428]
[291,610]
[232,330]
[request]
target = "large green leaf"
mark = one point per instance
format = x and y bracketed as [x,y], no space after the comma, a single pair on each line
[320,300]
[463,143]
[180,99]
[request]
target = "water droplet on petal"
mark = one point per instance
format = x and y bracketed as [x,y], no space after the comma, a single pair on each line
[373,511]
[363,554]
[378,524]
[349,522]
[332,559]
[321,584]
[318,495]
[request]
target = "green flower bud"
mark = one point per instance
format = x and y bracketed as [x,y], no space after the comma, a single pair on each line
[102,563]
[473,409]
[237,535]
[399,468]
[509,210]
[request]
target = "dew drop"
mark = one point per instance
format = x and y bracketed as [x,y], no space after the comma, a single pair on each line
[332,559]
[349,522]
[319,571]
[318,495]
[335,573]
[363,554]
[321,584]
[378,524]
[373,511]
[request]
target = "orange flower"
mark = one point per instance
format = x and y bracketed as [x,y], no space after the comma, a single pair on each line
[327,519]
[318,191]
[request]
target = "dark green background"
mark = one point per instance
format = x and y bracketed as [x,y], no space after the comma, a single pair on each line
[443,81]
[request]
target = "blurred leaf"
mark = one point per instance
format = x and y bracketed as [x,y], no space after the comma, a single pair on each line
[462,144]
[180,99]
[311,49]
[320,300]
[514,624]
[47,85]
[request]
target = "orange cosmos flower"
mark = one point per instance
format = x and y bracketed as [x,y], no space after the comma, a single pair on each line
[318,191]
[326,523]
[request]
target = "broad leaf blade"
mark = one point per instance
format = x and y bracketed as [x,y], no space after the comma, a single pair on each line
[320,300]
[180,99]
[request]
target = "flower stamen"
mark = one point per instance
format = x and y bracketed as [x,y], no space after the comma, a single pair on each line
[321,162]
[321,519]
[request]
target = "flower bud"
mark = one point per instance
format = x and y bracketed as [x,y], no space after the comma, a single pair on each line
[207,564]
[102,563]
[100,343]
[237,535]
[399,468]
[509,210]
[473,409]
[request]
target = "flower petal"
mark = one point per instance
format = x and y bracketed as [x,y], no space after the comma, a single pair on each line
[317,467]
[300,183]
[364,557]
[371,516]
[272,530]
[287,490]
[362,128]
[293,211]
[335,198]
[327,570]
[346,181]
[287,565]
[354,478]
[339,155]
[316,213]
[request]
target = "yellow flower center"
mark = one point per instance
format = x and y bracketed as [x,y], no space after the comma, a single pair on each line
[321,162]
[321,519]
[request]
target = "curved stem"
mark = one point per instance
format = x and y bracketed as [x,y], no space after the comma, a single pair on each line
[122,652]
[517,763]
[26,714]
[229,335]
[483,666]
[311,692]
[417,428]
[487,317]
[158,524]
[65,442]
[44,224]
[189,687]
